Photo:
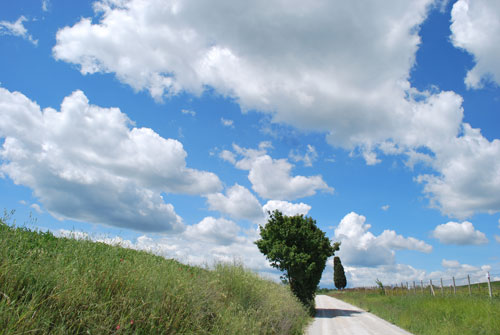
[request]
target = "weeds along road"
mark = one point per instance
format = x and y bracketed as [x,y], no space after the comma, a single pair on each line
[335,317]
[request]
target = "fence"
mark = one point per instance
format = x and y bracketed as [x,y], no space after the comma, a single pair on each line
[471,286]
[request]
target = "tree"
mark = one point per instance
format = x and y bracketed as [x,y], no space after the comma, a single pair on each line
[338,274]
[295,245]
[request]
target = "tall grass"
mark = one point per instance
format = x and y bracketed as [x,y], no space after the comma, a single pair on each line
[51,285]
[424,314]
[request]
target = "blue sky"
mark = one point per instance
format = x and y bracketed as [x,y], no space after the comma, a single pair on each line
[173,126]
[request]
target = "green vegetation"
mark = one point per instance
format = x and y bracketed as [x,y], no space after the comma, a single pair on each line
[339,278]
[51,285]
[295,245]
[425,314]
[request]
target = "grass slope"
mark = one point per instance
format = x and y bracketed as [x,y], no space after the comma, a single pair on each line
[52,285]
[424,314]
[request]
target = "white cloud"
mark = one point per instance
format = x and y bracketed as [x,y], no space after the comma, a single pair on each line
[239,203]
[360,95]
[85,163]
[228,156]
[275,62]
[385,207]
[469,175]
[37,208]
[497,238]
[16,29]
[271,178]
[476,28]
[361,248]
[459,233]
[188,112]
[45,5]
[212,230]
[308,158]
[227,123]
[287,208]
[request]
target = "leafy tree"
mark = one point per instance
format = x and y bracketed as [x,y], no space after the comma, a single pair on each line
[339,274]
[295,245]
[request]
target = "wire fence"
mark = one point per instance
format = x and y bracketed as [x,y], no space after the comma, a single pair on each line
[477,285]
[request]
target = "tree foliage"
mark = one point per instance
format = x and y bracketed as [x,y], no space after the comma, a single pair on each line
[296,246]
[338,274]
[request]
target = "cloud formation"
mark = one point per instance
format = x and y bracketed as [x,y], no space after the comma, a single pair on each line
[314,66]
[459,233]
[302,68]
[85,163]
[238,203]
[361,248]
[476,29]
[271,178]
[17,29]
[287,208]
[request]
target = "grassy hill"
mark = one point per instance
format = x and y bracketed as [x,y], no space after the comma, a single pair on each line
[51,285]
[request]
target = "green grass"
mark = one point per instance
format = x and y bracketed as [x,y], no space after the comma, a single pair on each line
[52,285]
[424,314]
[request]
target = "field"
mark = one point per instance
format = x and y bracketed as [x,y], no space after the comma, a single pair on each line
[420,314]
[52,285]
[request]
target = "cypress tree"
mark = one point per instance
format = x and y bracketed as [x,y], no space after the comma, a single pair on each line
[338,274]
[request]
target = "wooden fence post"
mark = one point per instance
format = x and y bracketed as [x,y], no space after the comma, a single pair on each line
[454,286]
[468,280]
[422,286]
[414,288]
[442,289]
[489,285]
[432,288]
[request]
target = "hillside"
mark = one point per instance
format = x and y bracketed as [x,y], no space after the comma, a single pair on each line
[65,286]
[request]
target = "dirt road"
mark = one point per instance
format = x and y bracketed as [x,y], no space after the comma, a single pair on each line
[335,317]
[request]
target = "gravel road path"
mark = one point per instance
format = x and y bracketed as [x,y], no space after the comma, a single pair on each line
[335,317]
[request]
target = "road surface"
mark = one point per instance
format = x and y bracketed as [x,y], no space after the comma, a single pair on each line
[335,317]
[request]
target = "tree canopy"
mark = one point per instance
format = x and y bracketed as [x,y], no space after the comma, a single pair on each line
[338,274]
[296,246]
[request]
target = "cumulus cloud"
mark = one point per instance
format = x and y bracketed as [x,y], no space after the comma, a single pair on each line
[476,28]
[238,203]
[17,29]
[362,248]
[287,208]
[469,175]
[216,231]
[324,66]
[85,163]
[271,178]
[308,158]
[459,233]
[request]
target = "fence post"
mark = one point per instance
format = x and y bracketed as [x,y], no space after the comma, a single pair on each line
[422,286]
[468,280]
[414,288]
[454,286]
[489,285]
[442,289]
[432,288]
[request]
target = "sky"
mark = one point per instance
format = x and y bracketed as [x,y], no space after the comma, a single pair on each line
[174,126]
